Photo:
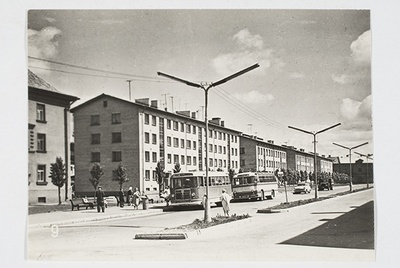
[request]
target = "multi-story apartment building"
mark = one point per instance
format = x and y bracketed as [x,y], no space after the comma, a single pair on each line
[109,131]
[48,138]
[301,160]
[259,155]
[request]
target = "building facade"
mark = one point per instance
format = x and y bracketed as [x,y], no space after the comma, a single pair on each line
[109,131]
[361,172]
[300,160]
[259,155]
[49,132]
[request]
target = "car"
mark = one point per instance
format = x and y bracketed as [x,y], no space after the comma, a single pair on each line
[302,187]
[325,184]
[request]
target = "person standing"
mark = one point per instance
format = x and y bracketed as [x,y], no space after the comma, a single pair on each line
[225,200]
[136,198]
[121,198]
[100,199]
[129,197]
[167,195]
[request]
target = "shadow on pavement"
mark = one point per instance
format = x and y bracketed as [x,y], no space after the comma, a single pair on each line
[354,229]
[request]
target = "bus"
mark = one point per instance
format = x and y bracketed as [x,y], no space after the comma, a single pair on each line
[254,185]
[190,188]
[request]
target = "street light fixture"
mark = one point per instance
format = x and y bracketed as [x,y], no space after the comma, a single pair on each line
[314,133]
[367,156]
[206,87]
[351,148]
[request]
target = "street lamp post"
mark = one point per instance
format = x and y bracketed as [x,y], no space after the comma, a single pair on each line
[367,156]
[314,133]
[350,148]
[206,87]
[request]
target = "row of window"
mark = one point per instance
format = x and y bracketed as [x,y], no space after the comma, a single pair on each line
[115,157]
[189,160]
[116,137]
[270,164]
[115,119]
[270,152]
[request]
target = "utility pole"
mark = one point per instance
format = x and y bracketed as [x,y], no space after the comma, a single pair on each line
[314,133]
[350,148]
[206,87]
[367,156]
[129,82]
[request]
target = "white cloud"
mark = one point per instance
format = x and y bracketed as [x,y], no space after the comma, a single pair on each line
[296,75]
[254,97]
[340,79]
[250,51]
[361,48]
[355,114]
[42,44]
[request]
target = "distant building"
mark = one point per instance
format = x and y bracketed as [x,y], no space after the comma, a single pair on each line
[259,155]
[301,160]
[109,131]
[48,138]
[360,171]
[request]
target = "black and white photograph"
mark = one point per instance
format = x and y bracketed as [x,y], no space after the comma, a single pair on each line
[201,134]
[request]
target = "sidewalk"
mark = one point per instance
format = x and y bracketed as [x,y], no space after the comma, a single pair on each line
[88,215]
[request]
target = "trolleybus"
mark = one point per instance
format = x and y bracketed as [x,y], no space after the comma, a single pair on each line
[254,185]
[190,188]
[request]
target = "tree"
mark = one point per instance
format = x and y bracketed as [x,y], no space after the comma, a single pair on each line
[119,175]
[58,175]
[96,172]
[231,175]
[160,176]
[177,168]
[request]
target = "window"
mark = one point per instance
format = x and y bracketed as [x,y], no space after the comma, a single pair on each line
[176,159]
[176,142]
[182,159]
[224,150]
[224,136]
[194,145]
[175,125]
[194,129]
[95,157]
[116,137]
[96,138]
[235,151]
[116,118]
[169,141]
[41,175]
[154,178]
[95,120]
[242,151]
[224,163]
[153,120]
[188,144]
[215,134]
[235,139]
[154,138]
[40,113]
[116,156]
[220,163]
[41,142]
[236,166]
[154,157]
[147,156]
[242,162]
[146,119]
[182,127]
[169,159]
[194,161]
[215,163]
[182,143]
[188,128]
[146,137]
[215,148]
[219,135]
[188,160]
[210,134]
[168,123]
[211,162]
[220,149]
[210,147]
[147,175]
[105,104]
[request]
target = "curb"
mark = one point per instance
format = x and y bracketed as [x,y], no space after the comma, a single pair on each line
[99,218]
[165,236]
[266,211]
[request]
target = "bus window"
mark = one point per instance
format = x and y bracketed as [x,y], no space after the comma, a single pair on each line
[189,182]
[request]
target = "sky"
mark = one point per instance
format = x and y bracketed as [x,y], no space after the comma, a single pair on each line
[315,66]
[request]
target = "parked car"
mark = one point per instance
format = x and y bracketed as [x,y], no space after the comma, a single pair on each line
[302,187]
[325,184]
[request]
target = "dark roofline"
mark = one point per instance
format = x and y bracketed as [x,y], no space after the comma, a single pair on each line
[246,136]
[186,118]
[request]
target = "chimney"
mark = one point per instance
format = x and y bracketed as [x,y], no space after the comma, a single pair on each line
[194,115]
[144,101]
[154,104]
[215,121]
[270,141]
[301,150]
[222,123]
[323,156]
[184,113]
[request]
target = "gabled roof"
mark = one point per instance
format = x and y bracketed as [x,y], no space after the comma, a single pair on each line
[37,82]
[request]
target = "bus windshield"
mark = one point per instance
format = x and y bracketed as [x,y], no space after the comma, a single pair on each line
[245,180]
[188,182]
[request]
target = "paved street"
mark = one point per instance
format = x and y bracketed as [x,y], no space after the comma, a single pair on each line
[303,228]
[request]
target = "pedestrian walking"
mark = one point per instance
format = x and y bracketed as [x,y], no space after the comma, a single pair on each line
[225,200]
[136,198]
[167,195]
[129,197]
[121,198]
[100,199]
